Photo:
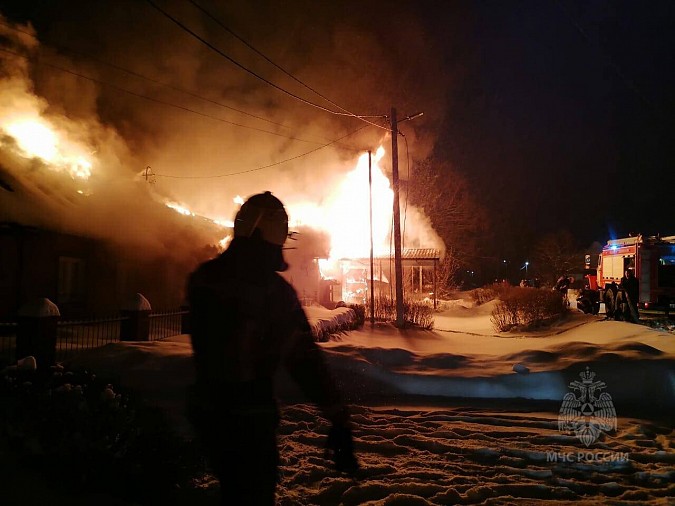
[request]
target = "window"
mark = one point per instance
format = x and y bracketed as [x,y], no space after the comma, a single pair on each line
[71,280]
[667,271]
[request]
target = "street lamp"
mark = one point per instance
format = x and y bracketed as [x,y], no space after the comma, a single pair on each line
[526,264]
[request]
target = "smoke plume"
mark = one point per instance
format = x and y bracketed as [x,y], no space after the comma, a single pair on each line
[364,59]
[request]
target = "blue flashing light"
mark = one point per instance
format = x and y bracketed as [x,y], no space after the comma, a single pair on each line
[614,247]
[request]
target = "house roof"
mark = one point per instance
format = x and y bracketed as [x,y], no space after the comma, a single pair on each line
[415,254]
[420,254]
[408,254]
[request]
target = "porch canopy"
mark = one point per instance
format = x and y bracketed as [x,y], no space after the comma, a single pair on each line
[413,259]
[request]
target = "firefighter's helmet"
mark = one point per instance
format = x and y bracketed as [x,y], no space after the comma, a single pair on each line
[266,213]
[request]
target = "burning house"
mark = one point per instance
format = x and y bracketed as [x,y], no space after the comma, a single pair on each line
[350,280]
[79,226]
[76,226]
[333,265]
[87,270]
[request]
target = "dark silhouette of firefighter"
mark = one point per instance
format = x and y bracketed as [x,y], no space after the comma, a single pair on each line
[628,297]
[246,321]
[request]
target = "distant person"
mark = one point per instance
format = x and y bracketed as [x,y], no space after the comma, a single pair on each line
[631,293]
[246,320]
[562,286]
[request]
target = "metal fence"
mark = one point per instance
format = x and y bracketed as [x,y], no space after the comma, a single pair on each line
[77,335]
[73,336]
[165,324]
[7,343]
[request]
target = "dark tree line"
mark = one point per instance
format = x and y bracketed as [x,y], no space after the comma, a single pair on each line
[451,203]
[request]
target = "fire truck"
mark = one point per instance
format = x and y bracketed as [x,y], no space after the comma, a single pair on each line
[652,260]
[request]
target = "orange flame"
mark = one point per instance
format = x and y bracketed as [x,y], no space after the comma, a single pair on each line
[345,215]
[37,138]
[179,208]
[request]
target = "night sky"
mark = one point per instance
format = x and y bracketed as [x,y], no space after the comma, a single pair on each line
[559,112]
[566,116]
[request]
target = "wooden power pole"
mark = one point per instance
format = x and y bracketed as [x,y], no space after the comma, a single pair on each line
[397,220]
[372,277]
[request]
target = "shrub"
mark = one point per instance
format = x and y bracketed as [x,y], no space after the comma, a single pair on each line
[526,307]
[418,313]
[488,293]
[81,432]
[360,311]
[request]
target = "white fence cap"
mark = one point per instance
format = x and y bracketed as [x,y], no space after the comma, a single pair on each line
[39,308]
[137,303]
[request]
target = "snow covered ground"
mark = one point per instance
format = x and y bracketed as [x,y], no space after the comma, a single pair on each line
[469,455]
[442,417]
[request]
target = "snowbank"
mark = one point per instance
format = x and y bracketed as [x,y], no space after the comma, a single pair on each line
[387,365]
[487,433]
[326,322]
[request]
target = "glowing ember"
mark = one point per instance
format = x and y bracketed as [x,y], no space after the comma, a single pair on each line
[36,138]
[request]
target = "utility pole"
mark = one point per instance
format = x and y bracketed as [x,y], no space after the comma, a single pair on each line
[397,220]
[372,277]
[148,175]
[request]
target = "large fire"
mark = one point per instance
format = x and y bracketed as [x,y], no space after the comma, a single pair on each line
[36,137]
[346,216]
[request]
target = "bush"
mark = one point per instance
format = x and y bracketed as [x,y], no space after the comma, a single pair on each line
[488,293]
[526,307]
[81,432]
[417,313]
[360,311]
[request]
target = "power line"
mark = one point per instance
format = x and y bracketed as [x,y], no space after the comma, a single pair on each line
[162,102]
[405,208]
[266,58]
[258,76]
[264,166]
[168,85]
[104,83]
[149,79]
[173,87]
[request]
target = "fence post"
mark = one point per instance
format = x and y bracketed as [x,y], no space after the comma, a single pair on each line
[36,333]
[136,326]
[185,319]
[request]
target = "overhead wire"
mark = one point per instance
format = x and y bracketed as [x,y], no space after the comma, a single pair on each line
[173,87]
[170,104]
[407,190]
[279,67]
[167,85]
[167,103]
[255,74]
[141,76]
[264,166]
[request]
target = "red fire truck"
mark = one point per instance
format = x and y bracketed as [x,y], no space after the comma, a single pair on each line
[652,259]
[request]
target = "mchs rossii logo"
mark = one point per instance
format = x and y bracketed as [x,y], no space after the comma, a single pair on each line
[587,410]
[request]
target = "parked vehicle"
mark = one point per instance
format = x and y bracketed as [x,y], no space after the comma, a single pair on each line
[652,260]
